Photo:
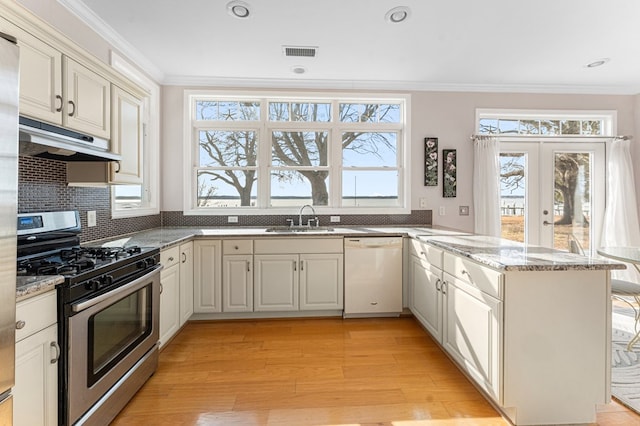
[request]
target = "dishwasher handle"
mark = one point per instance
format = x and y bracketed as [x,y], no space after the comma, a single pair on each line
[373,242]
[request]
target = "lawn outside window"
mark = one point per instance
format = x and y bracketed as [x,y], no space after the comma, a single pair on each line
[251,154]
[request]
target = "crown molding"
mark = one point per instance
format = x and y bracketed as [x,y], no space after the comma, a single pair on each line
[97,24]
[186,80]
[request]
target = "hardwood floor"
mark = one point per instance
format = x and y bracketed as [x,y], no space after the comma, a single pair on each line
[314,372]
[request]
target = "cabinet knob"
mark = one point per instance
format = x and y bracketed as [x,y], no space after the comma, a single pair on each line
[236,247]
[20,324]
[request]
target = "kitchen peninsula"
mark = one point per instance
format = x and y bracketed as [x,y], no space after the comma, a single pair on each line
[529,325]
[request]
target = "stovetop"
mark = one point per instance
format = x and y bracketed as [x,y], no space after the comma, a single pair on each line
[77,260]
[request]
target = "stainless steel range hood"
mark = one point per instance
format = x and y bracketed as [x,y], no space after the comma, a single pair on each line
[43,140]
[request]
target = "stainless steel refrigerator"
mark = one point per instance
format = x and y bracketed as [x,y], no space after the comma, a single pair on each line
[9,85]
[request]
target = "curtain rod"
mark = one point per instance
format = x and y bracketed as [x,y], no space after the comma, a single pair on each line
[480,137]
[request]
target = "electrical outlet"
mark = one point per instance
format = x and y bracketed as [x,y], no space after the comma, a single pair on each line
[441,211]
[91,218]
[232,219]
[463,210]
[334,219]
[423,203]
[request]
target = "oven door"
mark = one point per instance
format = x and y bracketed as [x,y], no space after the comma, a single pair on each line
[108,335]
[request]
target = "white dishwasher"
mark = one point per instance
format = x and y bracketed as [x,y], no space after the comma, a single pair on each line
[372,276]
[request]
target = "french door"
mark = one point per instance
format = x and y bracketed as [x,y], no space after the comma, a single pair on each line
[551,190]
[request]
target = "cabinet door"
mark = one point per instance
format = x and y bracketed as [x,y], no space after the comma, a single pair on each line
[237,283]
[169,303]
[276,282]
[35,394]
[426,297]
[126,137]
[472,333]
[321,281]
[40,78]
[88,100]
[186,282]
[207,277]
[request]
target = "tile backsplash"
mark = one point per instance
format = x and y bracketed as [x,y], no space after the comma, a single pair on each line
[42,186]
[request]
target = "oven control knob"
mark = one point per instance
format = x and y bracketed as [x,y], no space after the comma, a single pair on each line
[150,261]
[93,285]
[141,264]
[106,280]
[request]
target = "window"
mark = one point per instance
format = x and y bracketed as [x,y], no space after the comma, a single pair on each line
[251,153]
[141,200]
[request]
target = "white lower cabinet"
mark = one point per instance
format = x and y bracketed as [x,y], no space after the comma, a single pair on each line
[321,281]
[35,394]
[426,295]
[186,282]
[169,303]
[237,283]
[276,282]
[207,276]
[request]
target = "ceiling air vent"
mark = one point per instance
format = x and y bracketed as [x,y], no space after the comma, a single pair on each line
[300,51]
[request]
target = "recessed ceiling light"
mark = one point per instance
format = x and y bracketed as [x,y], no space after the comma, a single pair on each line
[238,9]
[298,69]
[597,63]
[398,14]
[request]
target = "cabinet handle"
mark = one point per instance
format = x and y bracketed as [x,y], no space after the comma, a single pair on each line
[248,266]
[118,169]
[161,288]
[73,109]
[464,272]
[438,286]
[55,346]
[170,259]
[184,257]
[59,98]
[374,303]
[302,265]
[20,324]
[295,266]
[444,287]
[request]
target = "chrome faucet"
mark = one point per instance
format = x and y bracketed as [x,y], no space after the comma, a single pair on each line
[315,218]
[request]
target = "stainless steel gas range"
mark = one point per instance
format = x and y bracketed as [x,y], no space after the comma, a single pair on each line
[107,314]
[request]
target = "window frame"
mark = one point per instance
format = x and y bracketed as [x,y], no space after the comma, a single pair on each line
[334,159]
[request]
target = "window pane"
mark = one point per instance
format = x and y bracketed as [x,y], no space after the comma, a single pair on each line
[369,149]
[570,127]
[305,111]
[370,113]
[592,127]
[226,188]
[549,127]
[529,127]
[488,125]
[228,148]
[513,195]
[369,188]
[127,196]
[508,126]
[299,149]
[227,110]
[297,188]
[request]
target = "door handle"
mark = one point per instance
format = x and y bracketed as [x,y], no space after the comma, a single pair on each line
[547,223]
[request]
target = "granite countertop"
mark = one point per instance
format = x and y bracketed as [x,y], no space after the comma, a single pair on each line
[510,255]
[27,287]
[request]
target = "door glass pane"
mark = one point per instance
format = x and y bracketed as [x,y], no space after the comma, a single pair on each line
[513,166]
[572,198]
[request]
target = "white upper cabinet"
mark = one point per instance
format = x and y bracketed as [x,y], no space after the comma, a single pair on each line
[87,99]
[126,137]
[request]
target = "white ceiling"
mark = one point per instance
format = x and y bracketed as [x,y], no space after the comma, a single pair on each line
[489,45]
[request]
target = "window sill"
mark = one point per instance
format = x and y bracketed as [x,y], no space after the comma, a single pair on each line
[149,211]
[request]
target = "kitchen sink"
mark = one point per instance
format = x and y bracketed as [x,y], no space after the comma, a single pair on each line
[295,229]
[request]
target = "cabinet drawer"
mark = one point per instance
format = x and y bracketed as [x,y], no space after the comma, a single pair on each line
[170,256]
[237,247]
[485,279]
[36,313]
[298,245]
[426,252]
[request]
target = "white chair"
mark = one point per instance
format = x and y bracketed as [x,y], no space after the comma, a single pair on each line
[620,290]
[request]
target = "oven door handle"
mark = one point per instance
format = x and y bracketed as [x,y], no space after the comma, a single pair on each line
[92,302]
